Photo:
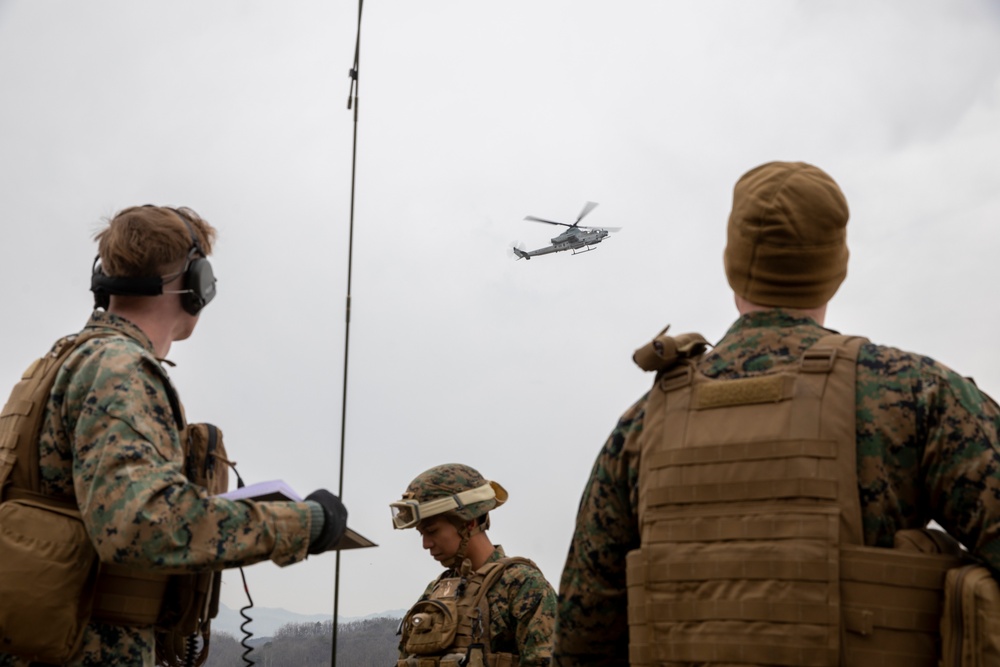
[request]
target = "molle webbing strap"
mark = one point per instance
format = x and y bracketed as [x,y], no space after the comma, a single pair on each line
[728,649]
[790,466]
[640,651]
[835,357]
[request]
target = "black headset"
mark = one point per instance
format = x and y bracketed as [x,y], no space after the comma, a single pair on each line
[199,280]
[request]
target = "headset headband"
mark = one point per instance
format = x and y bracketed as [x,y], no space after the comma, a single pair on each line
[199,280]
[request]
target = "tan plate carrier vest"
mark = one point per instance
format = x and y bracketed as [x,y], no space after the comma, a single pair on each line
[178,606]
[441,628]
[751,526]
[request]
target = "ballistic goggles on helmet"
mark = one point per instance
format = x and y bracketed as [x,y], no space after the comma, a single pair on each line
[408,513]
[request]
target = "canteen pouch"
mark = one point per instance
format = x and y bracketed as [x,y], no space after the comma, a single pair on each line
[48,568]
[432,626]
[432,623]
[970,625]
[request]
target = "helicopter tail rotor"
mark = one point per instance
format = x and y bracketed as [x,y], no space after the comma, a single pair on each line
[516,249]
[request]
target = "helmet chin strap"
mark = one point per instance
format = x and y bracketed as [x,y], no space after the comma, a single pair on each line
[459,556]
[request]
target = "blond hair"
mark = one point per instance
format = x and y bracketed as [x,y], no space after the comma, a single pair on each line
[139,241]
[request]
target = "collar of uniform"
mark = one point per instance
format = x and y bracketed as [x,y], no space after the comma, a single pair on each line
[496,555]
[103,320]
[770,319]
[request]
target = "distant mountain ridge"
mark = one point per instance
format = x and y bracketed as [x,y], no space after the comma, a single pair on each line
[266,620]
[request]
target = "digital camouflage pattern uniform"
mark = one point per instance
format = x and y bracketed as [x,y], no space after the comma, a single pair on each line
[109,438]
[927,448]
[522,612]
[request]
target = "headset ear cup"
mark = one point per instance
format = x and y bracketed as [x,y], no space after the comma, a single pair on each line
[199,285]
[102,298]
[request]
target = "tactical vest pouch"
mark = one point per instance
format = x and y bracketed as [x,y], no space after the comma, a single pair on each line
[891,601]
[432,623]
[128,597]
[664,351]
[47,573]
[970,626]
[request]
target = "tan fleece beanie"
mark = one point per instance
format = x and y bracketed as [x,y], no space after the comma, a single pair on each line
[787,242]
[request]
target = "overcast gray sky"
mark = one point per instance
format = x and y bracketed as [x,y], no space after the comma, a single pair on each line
[474,115]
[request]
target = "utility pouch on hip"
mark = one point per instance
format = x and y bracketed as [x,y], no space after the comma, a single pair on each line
[47,572]
[128,597]
[970,625]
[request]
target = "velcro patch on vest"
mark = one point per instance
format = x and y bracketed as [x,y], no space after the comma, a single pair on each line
[744,391]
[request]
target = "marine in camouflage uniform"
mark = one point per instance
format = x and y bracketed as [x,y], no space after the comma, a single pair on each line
[522,611]
[927,438]
[522,603]
[109,439]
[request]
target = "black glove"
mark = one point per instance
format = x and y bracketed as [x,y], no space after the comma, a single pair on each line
[335,515]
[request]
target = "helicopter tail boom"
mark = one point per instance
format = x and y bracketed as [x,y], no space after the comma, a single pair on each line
[521,254]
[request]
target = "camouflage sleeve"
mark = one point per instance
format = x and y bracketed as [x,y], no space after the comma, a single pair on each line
[592,612]
[531,604]
[928,449]
[136,502]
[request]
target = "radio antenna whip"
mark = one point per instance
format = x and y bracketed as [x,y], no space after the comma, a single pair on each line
[352,103]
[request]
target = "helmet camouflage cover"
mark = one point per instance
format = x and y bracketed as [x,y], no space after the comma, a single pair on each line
[464,493]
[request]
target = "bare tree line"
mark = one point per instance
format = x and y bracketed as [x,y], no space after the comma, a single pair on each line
[365,643]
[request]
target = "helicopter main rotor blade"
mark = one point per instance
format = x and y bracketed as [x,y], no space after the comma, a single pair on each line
[587,208]
[548,222]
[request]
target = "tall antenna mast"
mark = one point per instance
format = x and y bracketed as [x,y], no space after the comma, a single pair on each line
[352,103]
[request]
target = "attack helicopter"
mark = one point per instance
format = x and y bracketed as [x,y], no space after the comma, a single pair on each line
[577,238]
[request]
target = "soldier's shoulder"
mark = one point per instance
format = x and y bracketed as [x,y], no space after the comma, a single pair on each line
[525,575]
[113,354]
[893,362]
[636,411]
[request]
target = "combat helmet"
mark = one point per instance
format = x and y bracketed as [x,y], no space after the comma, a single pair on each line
[452,489]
